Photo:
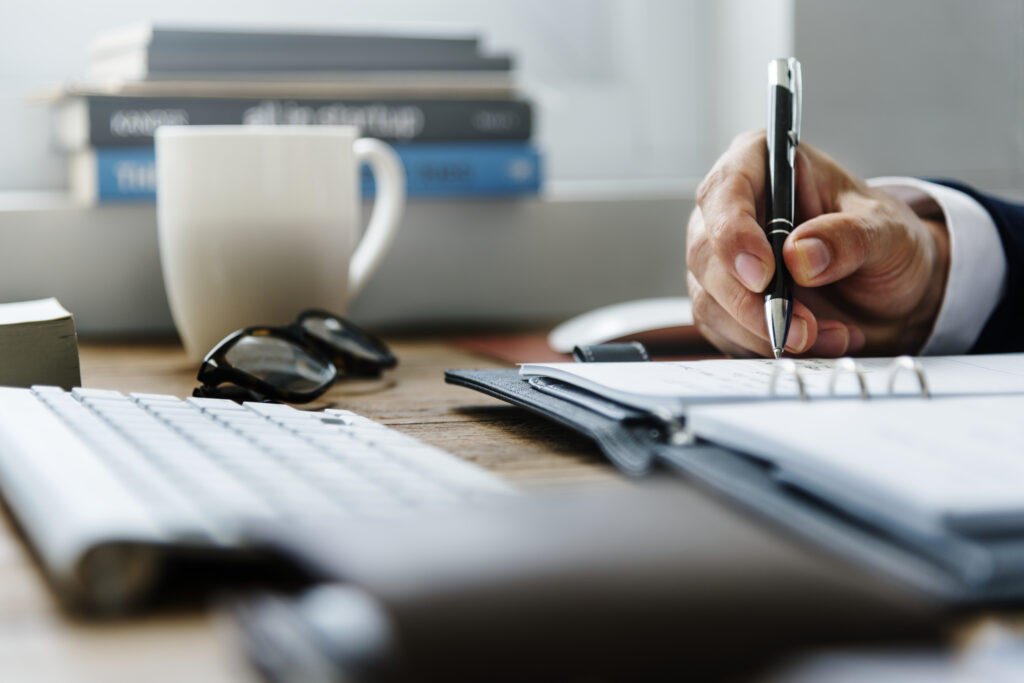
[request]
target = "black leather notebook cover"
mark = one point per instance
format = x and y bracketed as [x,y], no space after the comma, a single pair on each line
[956,570]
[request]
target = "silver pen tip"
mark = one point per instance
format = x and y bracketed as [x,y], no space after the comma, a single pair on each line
[778,353]
[779,313]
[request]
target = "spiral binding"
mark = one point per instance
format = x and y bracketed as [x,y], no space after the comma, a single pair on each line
[846,365]
[912,364]
[843,366]
[786,366]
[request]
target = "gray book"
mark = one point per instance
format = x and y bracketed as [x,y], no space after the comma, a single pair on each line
[38,345]
[149,50]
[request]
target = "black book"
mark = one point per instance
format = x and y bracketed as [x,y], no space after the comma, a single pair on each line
[104,121]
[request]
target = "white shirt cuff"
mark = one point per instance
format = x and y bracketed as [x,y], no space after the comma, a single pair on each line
[977,264]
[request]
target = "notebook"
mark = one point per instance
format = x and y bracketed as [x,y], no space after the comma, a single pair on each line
[921,480]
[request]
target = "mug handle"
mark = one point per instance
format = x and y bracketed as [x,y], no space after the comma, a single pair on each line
[389,177]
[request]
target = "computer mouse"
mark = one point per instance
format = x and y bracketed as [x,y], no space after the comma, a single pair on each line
[621,320]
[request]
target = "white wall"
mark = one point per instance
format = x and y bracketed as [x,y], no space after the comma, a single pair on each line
[746,35]
[917,87]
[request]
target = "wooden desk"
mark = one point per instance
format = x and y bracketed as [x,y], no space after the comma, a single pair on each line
[39,643]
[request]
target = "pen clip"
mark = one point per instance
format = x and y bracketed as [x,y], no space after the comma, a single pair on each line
[796,87]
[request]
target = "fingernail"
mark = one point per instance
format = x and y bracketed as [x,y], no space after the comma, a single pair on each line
[814,256]
[831,342]
[752,271]
[796,340]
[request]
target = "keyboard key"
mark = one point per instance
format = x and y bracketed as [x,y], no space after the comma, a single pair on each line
[82,392]
[214,404]
[141,397]
[274,409]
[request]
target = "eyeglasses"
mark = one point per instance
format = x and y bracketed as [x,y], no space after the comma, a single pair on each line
[296,363]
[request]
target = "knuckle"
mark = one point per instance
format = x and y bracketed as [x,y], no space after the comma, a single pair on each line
[739,304]
[722,231]
[696,250]
[695,225]
[874,206]
[693,289]
[859,240]
[700,302]
[749,137]
[707,185]
[745,307]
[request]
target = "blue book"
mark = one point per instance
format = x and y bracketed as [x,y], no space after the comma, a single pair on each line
[108,175]
[467,169]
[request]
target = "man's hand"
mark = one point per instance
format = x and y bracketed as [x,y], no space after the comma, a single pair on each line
[869,274]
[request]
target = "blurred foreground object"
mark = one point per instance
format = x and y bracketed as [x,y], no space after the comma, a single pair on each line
[615,583]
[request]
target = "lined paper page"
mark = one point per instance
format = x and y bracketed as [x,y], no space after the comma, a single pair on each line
[921,463]
[679,384]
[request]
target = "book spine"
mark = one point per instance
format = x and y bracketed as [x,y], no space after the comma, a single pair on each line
[128,174]
[466,169]
[122,174]
[131,120]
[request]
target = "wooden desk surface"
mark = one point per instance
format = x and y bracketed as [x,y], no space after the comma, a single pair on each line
[39,643]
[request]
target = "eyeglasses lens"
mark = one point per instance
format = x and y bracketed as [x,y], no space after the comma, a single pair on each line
[342,337]
[280,363]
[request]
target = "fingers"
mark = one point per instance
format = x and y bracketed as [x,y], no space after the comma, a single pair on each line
[869,231]
[729,200]
[725,305]
[836,339]
[736,316]
[831,247]
[830,338]
[747,309]
[720,328]
[731,263]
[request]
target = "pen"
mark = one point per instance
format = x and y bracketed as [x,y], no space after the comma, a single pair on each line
[783,135]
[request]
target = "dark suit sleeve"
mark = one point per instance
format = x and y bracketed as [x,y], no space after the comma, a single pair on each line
[1004,330]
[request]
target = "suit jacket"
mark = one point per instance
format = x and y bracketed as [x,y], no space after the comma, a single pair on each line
[1004,330]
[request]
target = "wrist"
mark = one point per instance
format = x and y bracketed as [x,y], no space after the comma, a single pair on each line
[921,320]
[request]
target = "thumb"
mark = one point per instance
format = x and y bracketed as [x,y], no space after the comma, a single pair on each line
[831,247]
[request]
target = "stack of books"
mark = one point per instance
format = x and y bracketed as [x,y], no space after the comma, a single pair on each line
[452,112]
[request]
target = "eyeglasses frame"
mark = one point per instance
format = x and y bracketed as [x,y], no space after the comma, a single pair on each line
[216,370]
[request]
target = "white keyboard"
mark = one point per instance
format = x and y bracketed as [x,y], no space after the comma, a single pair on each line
[105,484]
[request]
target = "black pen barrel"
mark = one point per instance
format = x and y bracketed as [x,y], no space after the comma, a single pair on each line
[781,159]
[780,200]
[779,287]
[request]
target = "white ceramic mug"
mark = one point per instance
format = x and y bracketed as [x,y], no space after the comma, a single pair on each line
[258,223]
